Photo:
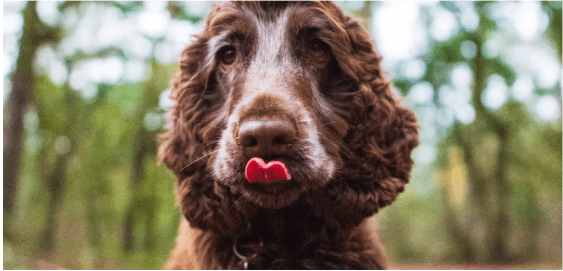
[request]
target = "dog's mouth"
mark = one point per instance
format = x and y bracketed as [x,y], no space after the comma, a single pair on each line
[257,170]
[273,182]
[270,193]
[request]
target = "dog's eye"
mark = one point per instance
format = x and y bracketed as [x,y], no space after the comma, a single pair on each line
[318,46]
[318,50]
[228,55]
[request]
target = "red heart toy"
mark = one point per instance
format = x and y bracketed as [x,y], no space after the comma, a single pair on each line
[258,171]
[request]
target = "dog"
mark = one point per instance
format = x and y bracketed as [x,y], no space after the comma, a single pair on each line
[285,138]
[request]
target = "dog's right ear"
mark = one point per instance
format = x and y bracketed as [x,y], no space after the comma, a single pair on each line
[193,119]
[171,144]
[192,123]
[178,143]
[187,118]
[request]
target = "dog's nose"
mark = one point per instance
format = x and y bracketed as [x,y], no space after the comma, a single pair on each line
[266,136]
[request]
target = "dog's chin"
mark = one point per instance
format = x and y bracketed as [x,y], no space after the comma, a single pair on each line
[272,195]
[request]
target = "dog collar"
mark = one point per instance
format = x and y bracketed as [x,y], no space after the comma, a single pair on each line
[245,258]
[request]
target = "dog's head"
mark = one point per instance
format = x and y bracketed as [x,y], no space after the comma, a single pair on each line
[298,83]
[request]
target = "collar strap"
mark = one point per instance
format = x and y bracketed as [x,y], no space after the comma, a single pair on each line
[244,258]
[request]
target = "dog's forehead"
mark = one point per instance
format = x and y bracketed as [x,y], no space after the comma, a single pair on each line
[272,31]
[275,28]
[269,24]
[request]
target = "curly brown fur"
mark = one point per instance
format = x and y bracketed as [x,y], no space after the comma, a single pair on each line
[349,141]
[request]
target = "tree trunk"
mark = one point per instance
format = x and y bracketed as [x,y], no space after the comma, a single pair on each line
[533,225]
[493,210]
[143,142]
[56,177]
[461,239]
[22,84]
[499,223]
[461,235]
[55,185]
[34,34]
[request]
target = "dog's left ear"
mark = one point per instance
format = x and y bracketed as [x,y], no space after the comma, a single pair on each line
[381,138]
[389,128]
[376,172]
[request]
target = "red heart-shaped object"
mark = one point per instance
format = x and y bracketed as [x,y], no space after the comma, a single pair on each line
[258,171]
[255,171]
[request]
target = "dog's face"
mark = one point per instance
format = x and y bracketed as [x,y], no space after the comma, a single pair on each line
[271,69]
[298,83]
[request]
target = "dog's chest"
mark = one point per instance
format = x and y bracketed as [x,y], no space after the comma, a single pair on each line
[287,239]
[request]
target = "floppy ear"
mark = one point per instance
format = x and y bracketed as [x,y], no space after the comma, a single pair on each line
[193,128]
[195,103]
[180,144]
[381,136]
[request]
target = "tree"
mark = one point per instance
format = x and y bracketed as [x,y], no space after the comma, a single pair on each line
[35,33]
[490,146]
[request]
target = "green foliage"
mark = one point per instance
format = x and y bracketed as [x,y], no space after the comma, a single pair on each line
[497,66]
[513,162]
[405,222]
[97,188]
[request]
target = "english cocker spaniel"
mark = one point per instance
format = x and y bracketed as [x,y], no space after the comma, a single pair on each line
[284,137]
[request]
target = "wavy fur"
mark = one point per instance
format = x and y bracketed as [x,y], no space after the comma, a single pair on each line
[362,127]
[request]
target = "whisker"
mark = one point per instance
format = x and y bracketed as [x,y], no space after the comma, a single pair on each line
[325,124]
[210,143]
[236,201]
[199,159]
[344,149]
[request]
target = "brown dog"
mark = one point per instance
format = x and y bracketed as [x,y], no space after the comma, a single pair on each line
[301,84]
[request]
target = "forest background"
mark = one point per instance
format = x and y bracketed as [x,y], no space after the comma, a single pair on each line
[85,91]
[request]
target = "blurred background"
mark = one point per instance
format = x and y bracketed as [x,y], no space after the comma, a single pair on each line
[85,91]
